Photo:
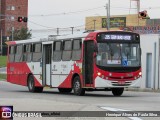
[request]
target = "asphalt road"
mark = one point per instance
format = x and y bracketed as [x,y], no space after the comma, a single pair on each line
[52,100]
[3,70]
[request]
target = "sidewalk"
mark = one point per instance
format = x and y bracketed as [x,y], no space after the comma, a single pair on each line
[142,90]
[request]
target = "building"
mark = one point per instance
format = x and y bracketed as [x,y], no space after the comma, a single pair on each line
[150,45]
[116,22]
[10,10]
[130,22]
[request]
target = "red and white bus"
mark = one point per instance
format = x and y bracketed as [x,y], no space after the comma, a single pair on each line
[93,61]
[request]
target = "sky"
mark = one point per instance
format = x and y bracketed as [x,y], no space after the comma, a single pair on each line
[52,14]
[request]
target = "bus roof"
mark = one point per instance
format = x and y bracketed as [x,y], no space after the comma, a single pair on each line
[47,38]
[64,37]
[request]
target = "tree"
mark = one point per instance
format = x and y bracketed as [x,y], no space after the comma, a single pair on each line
[22,34]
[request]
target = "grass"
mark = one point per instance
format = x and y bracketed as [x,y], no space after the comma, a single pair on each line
[2,76]
[3,61]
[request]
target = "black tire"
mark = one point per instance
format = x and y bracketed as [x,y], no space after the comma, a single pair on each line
[117,91]
[77,87]
[65,90]
[31,85]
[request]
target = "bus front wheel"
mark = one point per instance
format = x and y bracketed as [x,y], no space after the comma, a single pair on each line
[31,85]
[117,91]
[77,87]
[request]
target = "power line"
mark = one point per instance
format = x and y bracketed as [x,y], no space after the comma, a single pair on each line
[40,25]
[80,11]
[66,13]
[75,27]
[151,8]
[51,28]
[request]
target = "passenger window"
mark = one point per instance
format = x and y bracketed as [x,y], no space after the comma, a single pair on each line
[12,53]
[57,51]
[18,54]
[76,53]
[67,50]
[37,52]
[27,55]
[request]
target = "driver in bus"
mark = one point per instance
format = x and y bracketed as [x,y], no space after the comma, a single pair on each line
[116,52]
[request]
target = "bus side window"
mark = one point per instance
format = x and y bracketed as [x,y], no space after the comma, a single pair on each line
[27,54]
[76,53]
[11,53]
[24,52]
[57,51]
[67,50]
[37,52]
[18,53]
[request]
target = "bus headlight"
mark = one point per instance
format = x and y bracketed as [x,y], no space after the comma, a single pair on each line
[140,73]
[99,74]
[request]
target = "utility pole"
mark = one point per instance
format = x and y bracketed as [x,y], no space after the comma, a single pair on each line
[12,33]
[1,35]
[1,44]
[108,15]
[94,21]
[72,29]
[137,7]
[57,31]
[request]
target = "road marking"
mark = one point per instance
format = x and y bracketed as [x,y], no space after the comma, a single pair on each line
[116,109]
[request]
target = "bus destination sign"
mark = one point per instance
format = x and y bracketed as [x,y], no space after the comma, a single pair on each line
[116,37]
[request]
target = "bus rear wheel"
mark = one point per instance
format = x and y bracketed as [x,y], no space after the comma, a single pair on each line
[65,90]
[77,87]
[117,91]
[31,85]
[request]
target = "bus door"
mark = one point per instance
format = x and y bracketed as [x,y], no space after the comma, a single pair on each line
[46,69]
[88,63]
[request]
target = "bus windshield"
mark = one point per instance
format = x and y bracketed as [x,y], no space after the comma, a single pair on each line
[118,54]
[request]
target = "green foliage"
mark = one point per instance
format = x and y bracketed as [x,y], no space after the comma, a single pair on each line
[3,61]
[22,34]
[3,76]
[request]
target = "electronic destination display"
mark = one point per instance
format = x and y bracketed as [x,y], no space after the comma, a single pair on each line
[118,36]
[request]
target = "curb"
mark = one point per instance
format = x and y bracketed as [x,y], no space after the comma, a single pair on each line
[142,90]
